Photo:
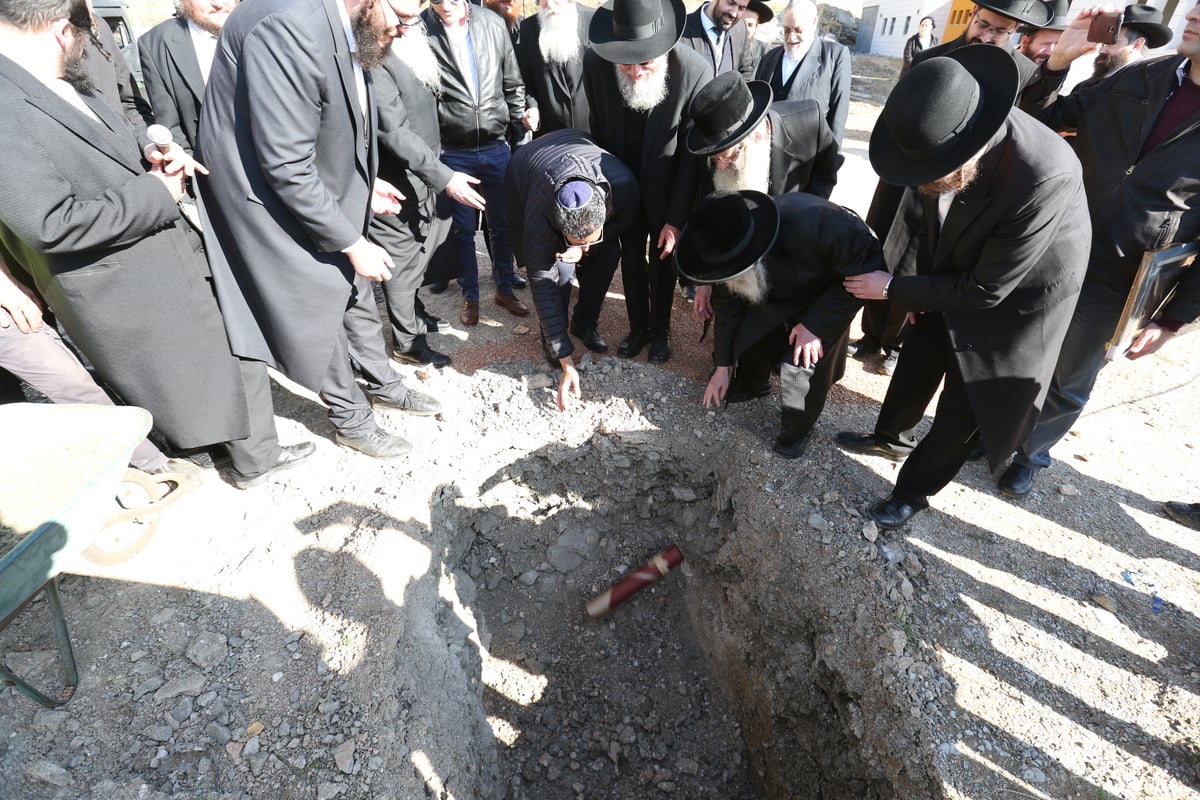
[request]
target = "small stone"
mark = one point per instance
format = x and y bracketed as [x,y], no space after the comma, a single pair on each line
[683,494]
[343,756]
[189,683]
[1104,602]
[49,719]
[687,766]
[374,763]
[234,749]
[520,330]
[294,637]
[159,733]
[146,687]
[137,655]
[277,677]
[1034,775]
[252,746]
[895,641]
[162,616]
[218,733]
[207,650]
[818,523]
[1067,490]
[528,578]
[50,773]
[328,791]
[254,729]
[540,380]
[257,762]
[870,531]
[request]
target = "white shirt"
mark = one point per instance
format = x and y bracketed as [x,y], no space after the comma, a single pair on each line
[716,36]
[787,66]
[464,54]
[944,203]
[360,81]
[67,92]
[205,45]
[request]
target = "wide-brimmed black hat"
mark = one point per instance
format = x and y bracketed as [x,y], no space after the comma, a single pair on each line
[725,111]
[765,14]
[636,31]
[1059,18]
[1034,13]
[1147,21]
[725,235]
[941,113]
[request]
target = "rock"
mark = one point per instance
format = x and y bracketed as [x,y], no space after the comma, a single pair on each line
[207,650]
[218,733]
[870,531]
[46,772]
[328,791]
[343,756]
[49,719]
[146,687]
[1067,490]
[159,733]
[540,380]
[572,546]
[190,683]
[257,762]
[818,523]
[182,710]
[252,746]
[254,729]
[894,641]
[687,766]
[234,749]
[1104,602]
[1034,775]
[520,330]
[528,578]
[683,494]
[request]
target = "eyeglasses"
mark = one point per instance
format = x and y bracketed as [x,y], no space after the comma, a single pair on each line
[412,23]
[1001,34]
[585,244]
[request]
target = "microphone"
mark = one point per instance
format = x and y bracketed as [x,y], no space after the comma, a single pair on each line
[160,136]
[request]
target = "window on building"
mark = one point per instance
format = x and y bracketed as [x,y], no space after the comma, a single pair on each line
[907,22]
[892,27]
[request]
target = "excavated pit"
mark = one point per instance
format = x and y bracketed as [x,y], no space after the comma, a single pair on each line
[750,672]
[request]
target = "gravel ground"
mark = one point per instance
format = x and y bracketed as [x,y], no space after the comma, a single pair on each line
[415,628]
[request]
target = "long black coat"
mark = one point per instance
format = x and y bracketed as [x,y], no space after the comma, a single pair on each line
[1004,271]
[1136,204]
[535,174]
[823,75]
[173,78]
[819,244]
[743,57]
[292,161]
[108,250]
[667,173]
[555,90]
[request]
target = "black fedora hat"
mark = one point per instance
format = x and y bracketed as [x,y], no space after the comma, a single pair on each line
[636,31]
[725,111]
[726,234]
[765,14]
[1147,21]
[1034,13]
[1060,17]
[941,113]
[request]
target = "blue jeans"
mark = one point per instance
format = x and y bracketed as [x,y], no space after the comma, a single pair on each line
[1079,364]
[490,166]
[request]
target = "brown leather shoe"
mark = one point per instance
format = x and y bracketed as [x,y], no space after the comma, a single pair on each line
[512,305]
[470,313]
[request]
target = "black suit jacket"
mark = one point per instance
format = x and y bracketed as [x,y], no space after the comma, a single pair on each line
[555,90]
[823,75]
[173,78]
[667,172]
[743,56]
[1004,271]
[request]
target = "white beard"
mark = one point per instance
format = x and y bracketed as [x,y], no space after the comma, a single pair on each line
[751,285]
[645,94]
[558,40]
[753,173]
[798,52]
[414,51]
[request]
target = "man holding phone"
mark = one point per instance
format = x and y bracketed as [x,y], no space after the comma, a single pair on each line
[1125,38]
[1138,140]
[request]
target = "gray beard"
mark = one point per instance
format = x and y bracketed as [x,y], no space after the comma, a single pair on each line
[642,95]
[558,40]
[751,285]
[753,174]
[414,52]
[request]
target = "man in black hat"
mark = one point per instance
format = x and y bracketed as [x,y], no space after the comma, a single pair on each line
[640,82]
[1038,43]
[715,31]
[572,201]
[756,13]
[550,54]
[1138,140]
[998,224]
[809,67]
[994,22]
[1141,31]
[778,265]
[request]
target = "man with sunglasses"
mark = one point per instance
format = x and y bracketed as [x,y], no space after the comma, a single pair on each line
[288,131]
[571,201]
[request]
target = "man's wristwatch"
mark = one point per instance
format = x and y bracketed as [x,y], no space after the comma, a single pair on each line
[887,286]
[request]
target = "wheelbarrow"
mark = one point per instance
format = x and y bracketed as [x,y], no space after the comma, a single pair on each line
[61,469]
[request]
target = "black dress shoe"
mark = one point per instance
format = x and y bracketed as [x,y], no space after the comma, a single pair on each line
[436,324]
[789,445]
[438,288]
[425,356]
[977,452]
[739,394]
[591,339]
[871,445]
[893,513]
[660,348]
[1187,514]
[289,456]
[1017,480]
[634,343]
[863,348]
[421,405]
[377,443]
[518,281]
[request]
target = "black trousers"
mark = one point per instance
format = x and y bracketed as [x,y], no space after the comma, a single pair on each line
[648,280]
[884,322]
[925,361]
[803,391]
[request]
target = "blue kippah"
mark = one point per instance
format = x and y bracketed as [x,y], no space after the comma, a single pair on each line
[575,194]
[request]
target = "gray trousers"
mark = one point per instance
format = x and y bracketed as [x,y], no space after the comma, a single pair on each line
[360,340]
